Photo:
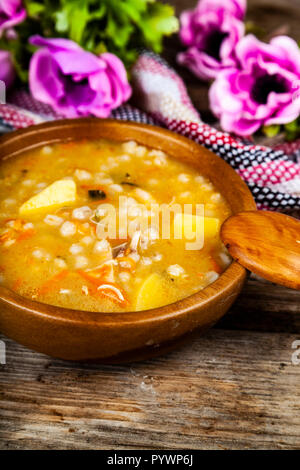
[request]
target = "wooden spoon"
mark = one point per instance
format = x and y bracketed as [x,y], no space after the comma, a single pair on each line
[266,243]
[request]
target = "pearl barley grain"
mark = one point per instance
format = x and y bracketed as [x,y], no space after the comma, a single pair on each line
[82,213]
[81,262]
[75,249]
[183,178]
[28,226]
[101,178]
[65,291]
[124,277]
[153,182]
[38,254]
[211,276]
[60,263]
[124,158]
[114,188]
[54,220]
[140,151]
[225,258]
[129,146]
[87,240]
[28,182]
[41,254]
[102,246]
[68,229]
[47,150]
[82,175]
[215,197]
[9,202]
[85,290]
[175,270]
[199,179]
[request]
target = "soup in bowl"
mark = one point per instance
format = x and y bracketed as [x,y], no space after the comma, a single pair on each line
[84,221]
[112,230]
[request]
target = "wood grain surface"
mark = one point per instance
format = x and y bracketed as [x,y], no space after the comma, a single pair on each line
[235,388]
[227,390]
[266,243]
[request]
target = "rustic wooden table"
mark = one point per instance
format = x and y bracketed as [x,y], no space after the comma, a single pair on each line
[234,388]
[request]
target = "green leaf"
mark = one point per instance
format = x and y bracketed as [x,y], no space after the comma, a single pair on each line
[99,13]
[101,48]
[34,8]
[292,126]
[21,72]
[117,26]
[292,130]
[158,22]
[119,34]
[62,23]
[78,24]
[253,28]
[271,131]
[72,18]
[132,11]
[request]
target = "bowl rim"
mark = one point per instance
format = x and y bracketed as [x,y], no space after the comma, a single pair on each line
[235,273]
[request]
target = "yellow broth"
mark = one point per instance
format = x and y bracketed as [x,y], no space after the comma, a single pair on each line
[55,256]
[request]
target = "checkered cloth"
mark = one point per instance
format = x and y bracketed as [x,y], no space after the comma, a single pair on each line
[273,175]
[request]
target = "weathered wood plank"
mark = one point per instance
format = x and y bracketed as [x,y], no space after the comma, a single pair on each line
[228,389]
[225,390]
[263,306]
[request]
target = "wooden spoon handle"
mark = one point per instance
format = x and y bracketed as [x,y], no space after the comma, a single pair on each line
[266,243]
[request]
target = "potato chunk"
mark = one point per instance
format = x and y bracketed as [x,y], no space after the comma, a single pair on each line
[154,292]
[58,194]
[194,226]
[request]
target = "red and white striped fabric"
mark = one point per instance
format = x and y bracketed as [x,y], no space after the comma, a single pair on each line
[273,175]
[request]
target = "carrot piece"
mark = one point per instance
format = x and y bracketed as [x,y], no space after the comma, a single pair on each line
[96,276]
[51,283]
[17,228]
[114,293]
[18,225]
[25,235]
[63,211]
[7,236]
[117,241]
[127,263]
[87,277]
[6,221]
[17,284]
[216,267]
[82,229]
[94,229]
[69,145]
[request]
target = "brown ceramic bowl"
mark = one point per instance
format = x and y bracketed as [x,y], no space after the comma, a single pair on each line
[118,337]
